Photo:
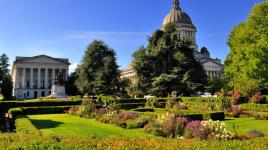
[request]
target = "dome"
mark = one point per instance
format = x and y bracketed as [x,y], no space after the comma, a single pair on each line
[177,15]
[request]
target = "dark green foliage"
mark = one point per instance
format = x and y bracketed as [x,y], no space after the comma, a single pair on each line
[217,116]
[98,73]
[168,64]
[14,112]
[3,67]
[143,109]
[5,106]
[130,105]
[70,87]
[7,87]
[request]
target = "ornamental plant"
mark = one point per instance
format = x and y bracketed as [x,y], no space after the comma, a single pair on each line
[217,130]
[236,97]
[258,98]
[195,129]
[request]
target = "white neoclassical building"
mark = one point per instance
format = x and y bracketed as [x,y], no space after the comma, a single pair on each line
[186,31]
[33,76]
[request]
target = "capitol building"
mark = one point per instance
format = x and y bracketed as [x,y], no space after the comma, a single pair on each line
[186,31]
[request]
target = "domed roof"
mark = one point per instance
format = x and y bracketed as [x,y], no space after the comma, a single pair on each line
[177,15]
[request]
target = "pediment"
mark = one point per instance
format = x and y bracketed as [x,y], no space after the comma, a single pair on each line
[41,59]
[212,64]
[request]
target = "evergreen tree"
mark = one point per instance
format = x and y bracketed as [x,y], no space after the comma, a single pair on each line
[247,59]
[6,87]
[3,67]
[71,88]
[98,73]
[167,64]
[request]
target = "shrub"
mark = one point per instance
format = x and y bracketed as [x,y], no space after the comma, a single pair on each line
[236,98]
[236,111]
[258,98]
[126,115]
[88,108]
[195,129]
[178,106]
[5,106]
[143,110]
[254,107]
[14,112]
[75,110]
[255,133]
[217,130]
[261,116]
[137,123]
[163,117]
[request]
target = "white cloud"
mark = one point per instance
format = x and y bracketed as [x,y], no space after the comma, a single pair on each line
[72,67]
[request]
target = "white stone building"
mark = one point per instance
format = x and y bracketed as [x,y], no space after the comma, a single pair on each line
[33,76]
[186,31]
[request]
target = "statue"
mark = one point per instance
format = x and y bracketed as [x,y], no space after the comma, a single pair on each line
[176,4]
[59,79]
[58,88]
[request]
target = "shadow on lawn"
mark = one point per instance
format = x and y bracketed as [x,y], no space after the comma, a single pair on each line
[45,124]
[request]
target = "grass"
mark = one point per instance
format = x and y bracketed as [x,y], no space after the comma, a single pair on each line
[246,124]
[63,124]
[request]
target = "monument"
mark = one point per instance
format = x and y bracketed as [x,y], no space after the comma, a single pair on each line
[58,88]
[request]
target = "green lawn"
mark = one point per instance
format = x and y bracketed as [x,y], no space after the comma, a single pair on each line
[63,124]
[246,124]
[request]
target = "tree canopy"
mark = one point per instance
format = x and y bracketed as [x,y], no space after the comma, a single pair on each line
[98,73]
[167,64]
[247,60]
[3,67]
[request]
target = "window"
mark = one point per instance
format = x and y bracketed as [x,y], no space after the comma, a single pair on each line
[28,78]
[35,78]
[43,78]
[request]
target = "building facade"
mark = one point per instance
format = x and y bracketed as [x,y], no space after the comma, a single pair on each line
[33,77]
[185,31]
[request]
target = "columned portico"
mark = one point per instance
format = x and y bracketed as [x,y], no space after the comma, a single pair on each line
[33,76]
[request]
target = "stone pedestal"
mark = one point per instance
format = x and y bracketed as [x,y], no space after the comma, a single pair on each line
[58,92]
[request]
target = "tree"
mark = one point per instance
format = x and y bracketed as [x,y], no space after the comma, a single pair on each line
[98,73]
[248,54]
[71,88]
[167,64]
[6,87]
[3,67]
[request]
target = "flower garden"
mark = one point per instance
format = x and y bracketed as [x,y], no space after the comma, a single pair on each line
[162,123]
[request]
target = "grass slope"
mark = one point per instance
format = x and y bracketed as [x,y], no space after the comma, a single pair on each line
[63,124]
[246,124]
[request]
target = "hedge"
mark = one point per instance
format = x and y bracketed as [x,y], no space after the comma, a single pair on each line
[128,106]
[254,107]
[201,99]
[5,105]
[143,110]
[15,112]
[191,115]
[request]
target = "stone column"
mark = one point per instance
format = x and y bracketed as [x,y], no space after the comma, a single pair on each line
[53,75]
[46,78]
[23,77]
[39,78]
[31,78]
[67,72]
[17,79]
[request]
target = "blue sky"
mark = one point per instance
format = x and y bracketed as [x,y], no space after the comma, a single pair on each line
[64,28]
